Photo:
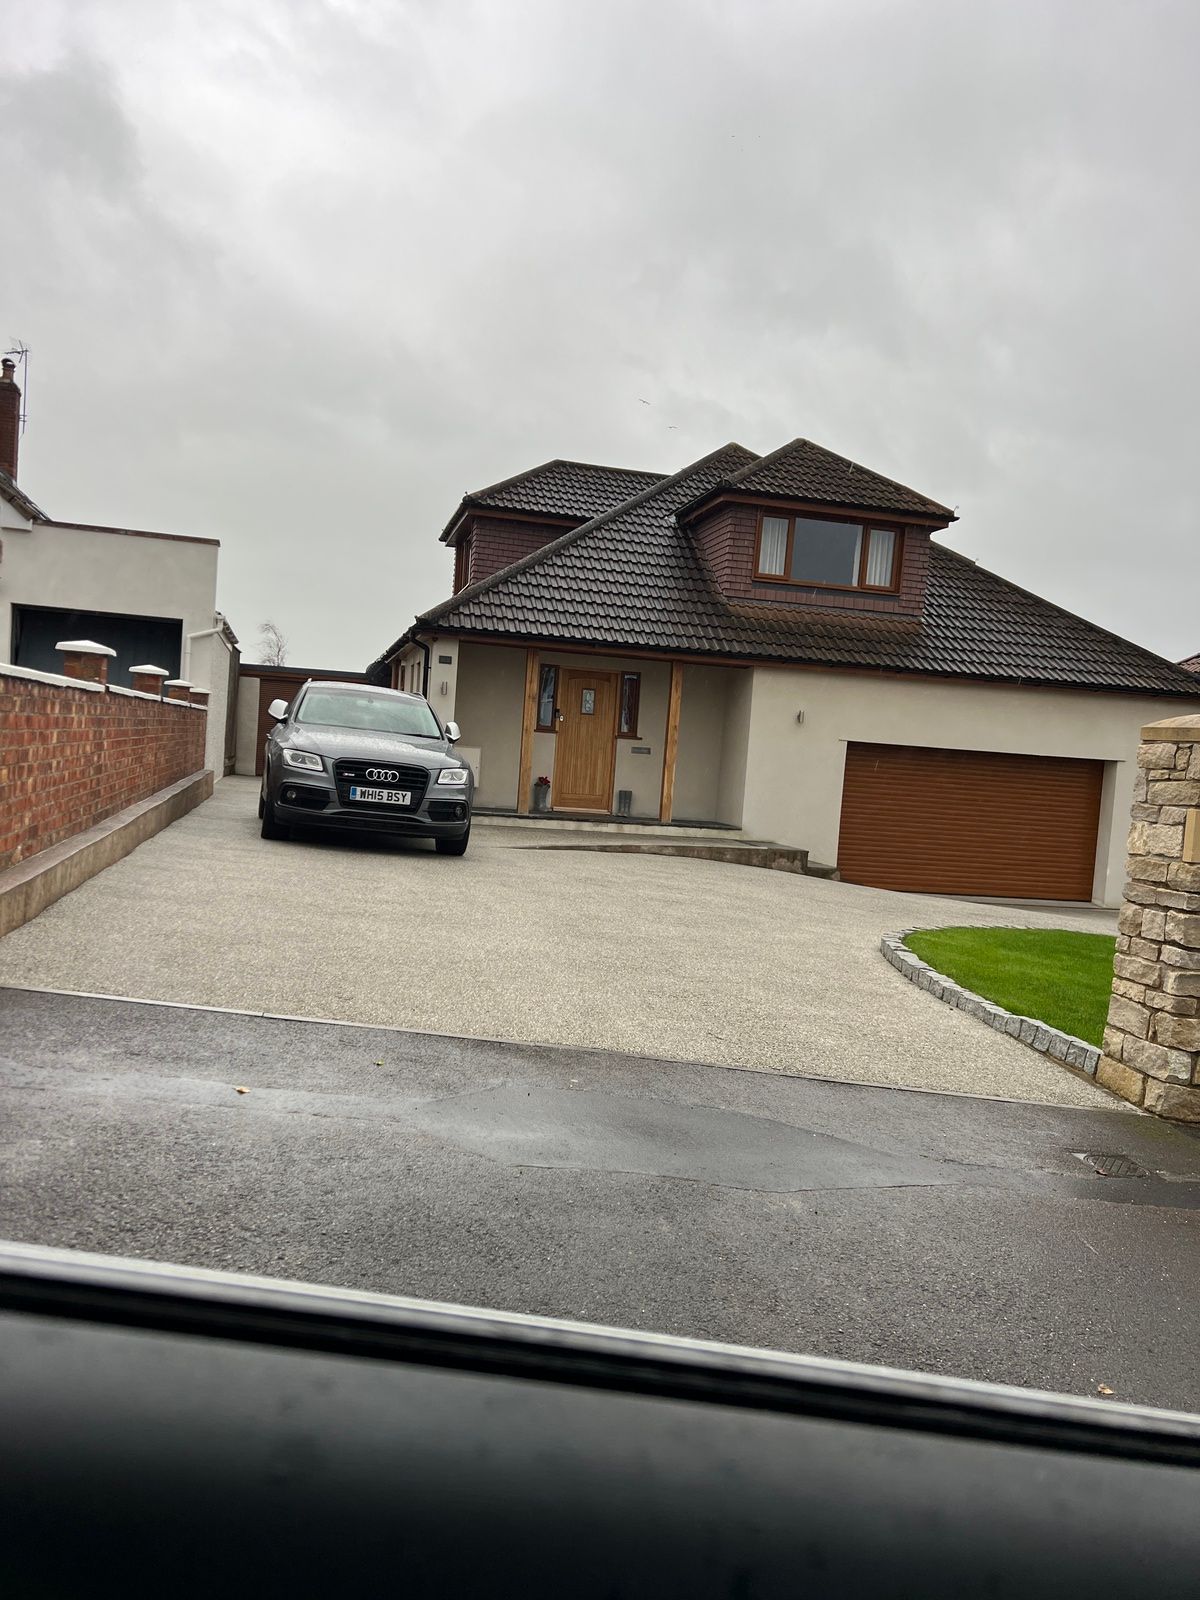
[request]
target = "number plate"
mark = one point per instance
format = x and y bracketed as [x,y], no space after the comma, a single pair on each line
[382,797]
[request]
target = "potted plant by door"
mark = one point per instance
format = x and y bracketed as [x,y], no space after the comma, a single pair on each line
[541,794]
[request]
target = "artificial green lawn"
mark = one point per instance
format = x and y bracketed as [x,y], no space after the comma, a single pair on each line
[1061,978]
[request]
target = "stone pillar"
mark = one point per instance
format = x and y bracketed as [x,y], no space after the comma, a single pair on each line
[1152,1042]
[148,679]
[84,658]
[177,689]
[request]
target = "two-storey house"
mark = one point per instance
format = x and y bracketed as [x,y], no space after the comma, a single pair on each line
[785,644]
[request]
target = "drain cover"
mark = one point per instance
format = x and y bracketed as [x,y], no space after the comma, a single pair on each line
[1110,1166]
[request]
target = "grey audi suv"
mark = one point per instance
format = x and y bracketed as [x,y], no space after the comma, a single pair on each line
[345,755]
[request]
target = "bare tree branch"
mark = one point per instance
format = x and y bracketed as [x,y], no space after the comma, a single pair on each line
[273,646]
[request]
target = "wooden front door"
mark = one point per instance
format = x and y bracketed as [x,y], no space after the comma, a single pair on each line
[585,745]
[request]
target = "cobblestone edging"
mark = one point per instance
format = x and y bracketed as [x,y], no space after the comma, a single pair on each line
[1061,1047]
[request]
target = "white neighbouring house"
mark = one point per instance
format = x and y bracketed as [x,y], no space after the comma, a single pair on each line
[150,597]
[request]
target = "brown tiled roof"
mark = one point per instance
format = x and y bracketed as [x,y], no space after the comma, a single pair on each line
[801,470]
[632,578]
[598,551]
[1192,664]
[576,489]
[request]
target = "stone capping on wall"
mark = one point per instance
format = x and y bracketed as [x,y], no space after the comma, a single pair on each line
[1064,1048]
[1152,1042]
[85,647]
[61,681]
[139,694]
[58,679]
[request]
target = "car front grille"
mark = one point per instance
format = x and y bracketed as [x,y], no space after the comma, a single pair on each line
[345,773]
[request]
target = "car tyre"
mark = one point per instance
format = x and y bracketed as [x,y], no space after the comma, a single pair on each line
[453,847]
[262,804]
[269,828]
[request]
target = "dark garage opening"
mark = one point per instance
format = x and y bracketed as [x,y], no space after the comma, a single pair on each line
[137,640]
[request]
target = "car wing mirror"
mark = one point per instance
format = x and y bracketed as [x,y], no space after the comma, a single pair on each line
[453,732]
[278,709]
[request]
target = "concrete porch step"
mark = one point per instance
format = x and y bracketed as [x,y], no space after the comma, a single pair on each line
[741,853]
[600,827]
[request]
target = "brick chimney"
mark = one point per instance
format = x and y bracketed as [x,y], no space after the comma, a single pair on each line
[10,417]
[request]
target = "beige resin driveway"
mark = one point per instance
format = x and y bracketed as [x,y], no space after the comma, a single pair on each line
[663,957]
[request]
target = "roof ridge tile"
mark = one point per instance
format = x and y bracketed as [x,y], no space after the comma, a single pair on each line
[821,458]
[561,461]
[561,488]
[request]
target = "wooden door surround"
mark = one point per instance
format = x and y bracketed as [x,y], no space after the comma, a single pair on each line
[585,747]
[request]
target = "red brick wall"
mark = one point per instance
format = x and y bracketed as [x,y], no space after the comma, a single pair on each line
[727,537]
[495,542]
[71,757]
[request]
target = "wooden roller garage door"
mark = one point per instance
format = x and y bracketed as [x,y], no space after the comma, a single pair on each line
[969,822]
[269,689]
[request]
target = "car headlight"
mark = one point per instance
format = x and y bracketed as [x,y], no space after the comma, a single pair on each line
[303,758]
[457,775]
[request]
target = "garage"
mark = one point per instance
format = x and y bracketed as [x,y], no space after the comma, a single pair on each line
[969,822]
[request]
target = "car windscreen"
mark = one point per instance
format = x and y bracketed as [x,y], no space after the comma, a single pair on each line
[374,713]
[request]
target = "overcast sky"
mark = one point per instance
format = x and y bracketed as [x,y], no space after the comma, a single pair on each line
[299,273]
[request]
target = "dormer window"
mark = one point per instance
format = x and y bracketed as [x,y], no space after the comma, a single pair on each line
[839,555]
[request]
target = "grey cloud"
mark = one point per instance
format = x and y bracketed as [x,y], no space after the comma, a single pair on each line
[299,274]
[63,126]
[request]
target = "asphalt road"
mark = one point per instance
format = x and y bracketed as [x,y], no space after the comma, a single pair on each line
[929,1231]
